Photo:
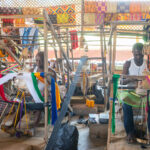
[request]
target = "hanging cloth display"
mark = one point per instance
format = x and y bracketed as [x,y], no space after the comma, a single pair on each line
[74,39]
[53,95]
[2,94]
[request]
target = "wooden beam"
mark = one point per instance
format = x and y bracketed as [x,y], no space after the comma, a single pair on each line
[3,46]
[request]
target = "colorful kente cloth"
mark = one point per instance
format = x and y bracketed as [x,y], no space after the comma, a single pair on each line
[99,18]
[19,22]
[123,7]
[64,9]
[62,18]
[90,7]
[110,17]
[89,18]
[136,16]
[101,7]
[145,6]
[111,7]
[135,7]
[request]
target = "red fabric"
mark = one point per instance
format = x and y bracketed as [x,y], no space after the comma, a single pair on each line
[74,39]
[2,94]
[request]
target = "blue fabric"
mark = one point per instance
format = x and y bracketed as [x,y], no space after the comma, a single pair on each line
[25,36]
[35,40]
[42,74]
[54,107]
[128,119]
[123,7]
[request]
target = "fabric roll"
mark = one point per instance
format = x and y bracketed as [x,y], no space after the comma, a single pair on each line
[123,7]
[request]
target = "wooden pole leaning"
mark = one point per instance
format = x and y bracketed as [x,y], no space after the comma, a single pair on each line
[45,79]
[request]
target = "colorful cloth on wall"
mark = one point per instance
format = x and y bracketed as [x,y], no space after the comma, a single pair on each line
[110,17]
[64,9]
[31,11]
[145,6]
[90,7]
[135,7]
[90,21]
[123,7]
[10,10]
[99,19]
[101,7]
[62,18]
[29,36]
[74,39]
[19,22]
[111,7]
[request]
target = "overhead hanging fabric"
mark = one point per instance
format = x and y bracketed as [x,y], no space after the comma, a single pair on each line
[54,107]
[74,39]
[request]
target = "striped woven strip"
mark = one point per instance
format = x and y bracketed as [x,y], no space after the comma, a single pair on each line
[9,68]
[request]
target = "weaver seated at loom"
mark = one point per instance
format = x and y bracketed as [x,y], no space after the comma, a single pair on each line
[130,99]
[36,89]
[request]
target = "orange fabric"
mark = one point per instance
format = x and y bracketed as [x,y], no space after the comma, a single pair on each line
[90,7]
[135,7]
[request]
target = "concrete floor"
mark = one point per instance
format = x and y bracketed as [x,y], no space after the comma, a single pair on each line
[86,143]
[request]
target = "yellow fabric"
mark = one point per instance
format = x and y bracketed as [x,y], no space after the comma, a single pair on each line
[62,18]
[58,99]
[1,54]
[37,75]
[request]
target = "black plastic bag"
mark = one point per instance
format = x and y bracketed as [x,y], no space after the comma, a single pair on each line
[67,138]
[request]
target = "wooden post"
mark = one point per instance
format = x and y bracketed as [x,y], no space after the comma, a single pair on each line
[45,80]
[110,117]
[111,90]
[103,65]
[114,51]
[68,75]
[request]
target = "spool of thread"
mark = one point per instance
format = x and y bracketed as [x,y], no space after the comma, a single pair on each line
[92,103]
[87,102]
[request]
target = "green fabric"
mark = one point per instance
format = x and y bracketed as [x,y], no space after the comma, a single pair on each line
[115,87]
[131,98]
[35,84]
